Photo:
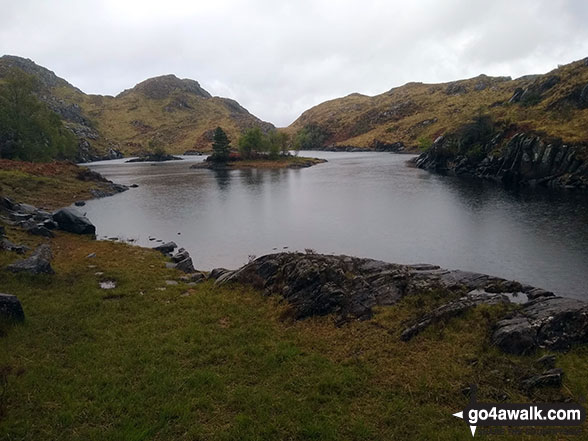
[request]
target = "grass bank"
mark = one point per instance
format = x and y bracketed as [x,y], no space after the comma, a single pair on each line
[47,185]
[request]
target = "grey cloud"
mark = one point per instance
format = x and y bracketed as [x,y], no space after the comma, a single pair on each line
[278,58]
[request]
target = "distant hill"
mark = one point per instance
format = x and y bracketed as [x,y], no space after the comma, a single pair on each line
[555,104]
[178,113]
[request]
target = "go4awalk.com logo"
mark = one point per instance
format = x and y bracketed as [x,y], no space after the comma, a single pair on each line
[516,415]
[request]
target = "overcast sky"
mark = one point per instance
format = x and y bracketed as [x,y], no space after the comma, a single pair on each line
[278,58]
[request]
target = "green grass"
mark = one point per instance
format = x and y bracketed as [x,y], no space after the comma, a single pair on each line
[204,363]
[49,185]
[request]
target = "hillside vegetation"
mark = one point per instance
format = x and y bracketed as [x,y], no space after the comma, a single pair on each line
[415,114]
[177,113]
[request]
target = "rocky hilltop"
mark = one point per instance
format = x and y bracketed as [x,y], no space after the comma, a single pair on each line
[411,117]
[176,113]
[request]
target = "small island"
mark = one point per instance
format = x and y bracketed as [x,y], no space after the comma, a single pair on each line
[256,150]
[157,153]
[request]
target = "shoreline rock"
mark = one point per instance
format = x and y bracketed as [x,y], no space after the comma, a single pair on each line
[350,287]
[525,159]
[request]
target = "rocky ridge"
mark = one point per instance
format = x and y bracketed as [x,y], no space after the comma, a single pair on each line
[524,159]
[350,287]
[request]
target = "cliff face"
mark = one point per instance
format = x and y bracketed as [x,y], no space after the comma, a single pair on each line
[521,159]
[178,113]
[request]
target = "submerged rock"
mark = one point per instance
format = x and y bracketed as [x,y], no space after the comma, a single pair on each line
[38,263]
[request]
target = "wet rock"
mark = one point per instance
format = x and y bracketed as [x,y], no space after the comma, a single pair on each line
[38,263]
[166,248]
[186,265]
[182,254]
[10,308]
[71,220]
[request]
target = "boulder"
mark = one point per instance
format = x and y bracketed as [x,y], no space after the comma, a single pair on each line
[186,265]
[166,248]
[38,263]
[182,254]
[10,308]
[71,220]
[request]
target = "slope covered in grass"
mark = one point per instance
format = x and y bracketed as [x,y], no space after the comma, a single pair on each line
[176,113]
[555,103]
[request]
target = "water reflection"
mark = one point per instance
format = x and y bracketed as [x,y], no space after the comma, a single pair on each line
[367,204]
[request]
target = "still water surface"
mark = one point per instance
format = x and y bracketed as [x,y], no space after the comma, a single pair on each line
[362,204]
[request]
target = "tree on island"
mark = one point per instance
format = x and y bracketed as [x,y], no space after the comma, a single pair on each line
[220,146]
[252,142]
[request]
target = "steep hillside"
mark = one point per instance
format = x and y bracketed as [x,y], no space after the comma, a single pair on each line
[415,114]
[178,113]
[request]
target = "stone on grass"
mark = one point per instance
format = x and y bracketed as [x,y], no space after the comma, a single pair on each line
[10,308]
[38,263]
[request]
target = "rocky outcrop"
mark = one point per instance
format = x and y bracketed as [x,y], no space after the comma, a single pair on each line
[73,221]
[38,263]
[350,287]
[10,308]
[553,323]
[523,159]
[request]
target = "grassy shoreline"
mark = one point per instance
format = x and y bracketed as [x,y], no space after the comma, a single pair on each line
[154,360]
